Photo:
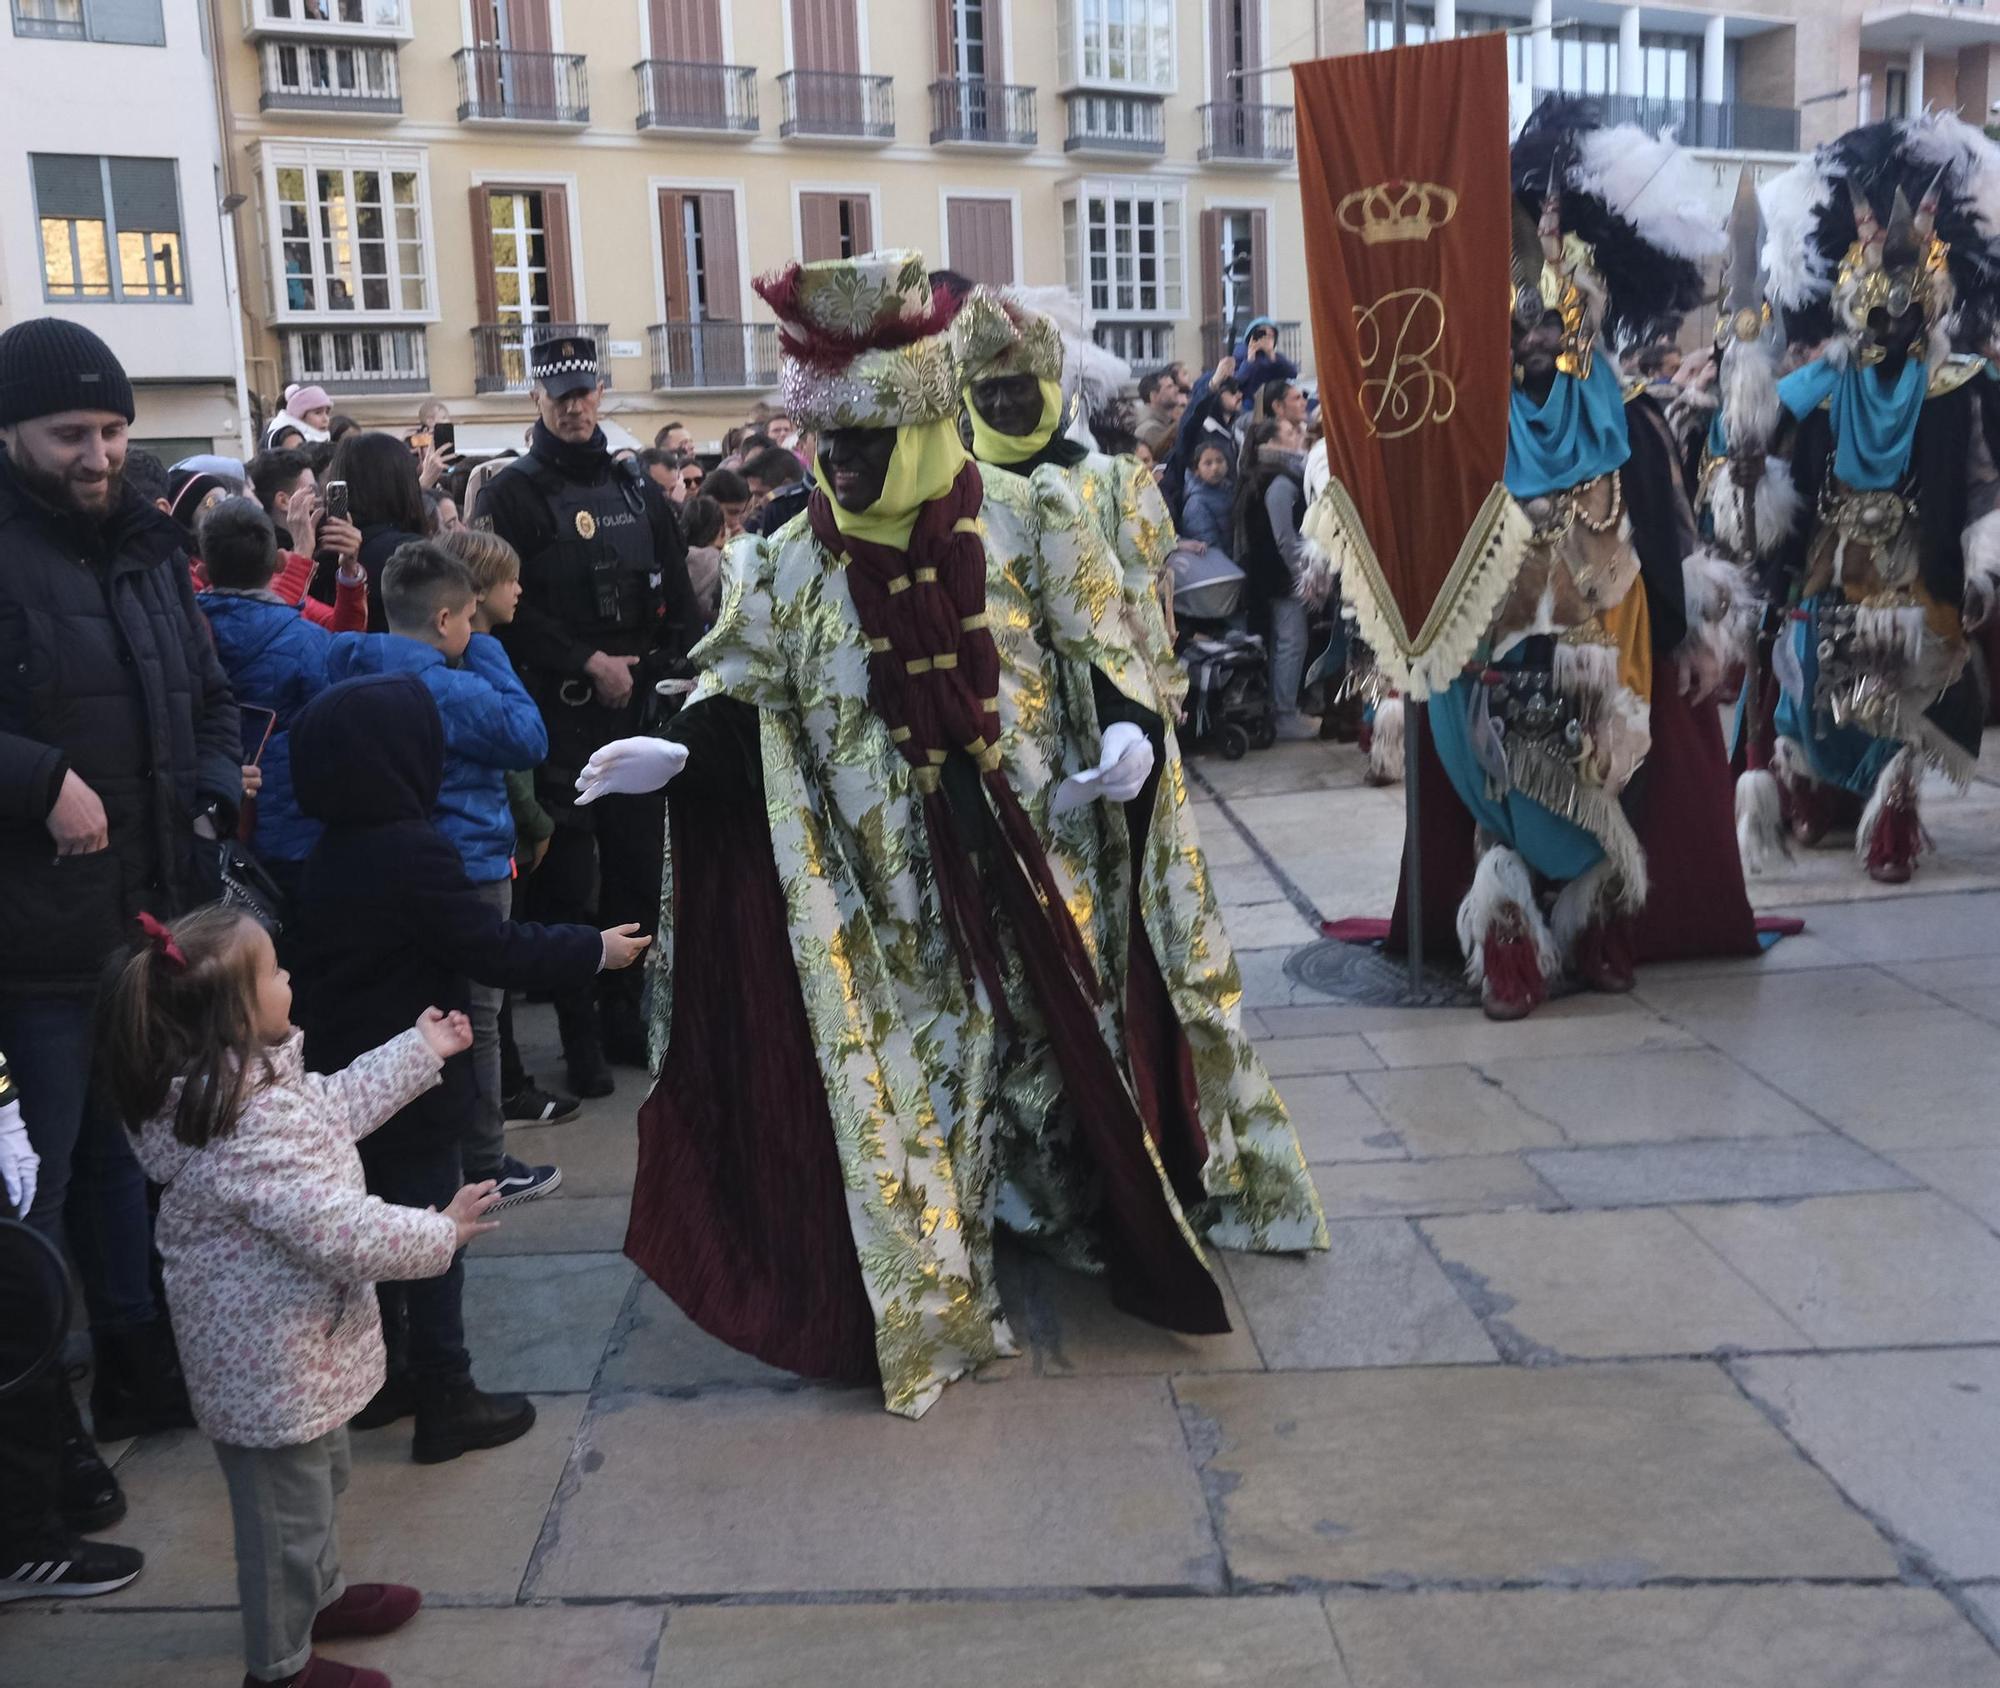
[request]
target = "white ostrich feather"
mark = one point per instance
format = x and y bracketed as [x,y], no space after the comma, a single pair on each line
[1796,273]
[1653,184]
[1944,139]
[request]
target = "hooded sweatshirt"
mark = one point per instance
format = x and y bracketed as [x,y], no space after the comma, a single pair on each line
[491,728]
[387,924]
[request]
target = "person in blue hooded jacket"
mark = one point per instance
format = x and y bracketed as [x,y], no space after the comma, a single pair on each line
[491,728]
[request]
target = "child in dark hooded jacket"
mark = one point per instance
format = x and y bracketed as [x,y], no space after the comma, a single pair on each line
[385,915]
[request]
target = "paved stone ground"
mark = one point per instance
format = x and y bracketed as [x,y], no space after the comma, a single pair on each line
[1658,1346]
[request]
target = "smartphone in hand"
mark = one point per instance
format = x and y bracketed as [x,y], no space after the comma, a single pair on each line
[336,500]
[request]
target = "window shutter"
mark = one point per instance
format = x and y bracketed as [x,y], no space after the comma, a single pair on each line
[1260,262]
[979,233]
[688,31]
[996,46]
[819,226]
[1211,268]
[673,257]
[145,197]
[482,255]
[135,23]
[69,185]
[528,26]
[861,222]
[555,235]
[947,55]
[718,256]
[825,35]
[1221,89]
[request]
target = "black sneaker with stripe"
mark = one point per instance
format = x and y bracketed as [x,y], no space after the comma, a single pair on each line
[517,1182]
[69,1569]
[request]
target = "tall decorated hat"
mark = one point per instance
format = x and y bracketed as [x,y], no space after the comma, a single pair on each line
[864,341]
[995,334]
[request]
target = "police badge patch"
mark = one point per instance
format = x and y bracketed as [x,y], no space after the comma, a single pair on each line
[586,524]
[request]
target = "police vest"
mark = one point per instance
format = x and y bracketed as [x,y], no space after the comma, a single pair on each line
[596,576]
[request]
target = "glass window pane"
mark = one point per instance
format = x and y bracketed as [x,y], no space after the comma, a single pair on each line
[93,261]
[58,261]
[406,187]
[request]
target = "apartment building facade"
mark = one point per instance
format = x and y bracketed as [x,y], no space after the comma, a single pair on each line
[110,203]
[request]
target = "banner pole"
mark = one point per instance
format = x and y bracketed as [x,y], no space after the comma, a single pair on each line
[1413,878]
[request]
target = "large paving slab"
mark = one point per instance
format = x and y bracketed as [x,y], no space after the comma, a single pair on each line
[1374,1298]
[1466,1184]
[1470,1037]
[462,1532]
[1919,1080]
[1969,1177]
[1910,928]
[1071,1329]
[1600,1285]
[598,1151]
[1440,1111]
[600,1646]
[1603,1475]
[1277,1643]
[1875,1271]
[1653,1096]
[1034,1483]
[1725,1169]
[1302,1056]
[538,1322]
[1913,1437]
[1661,1638]
[1335,1121]
[654,1345]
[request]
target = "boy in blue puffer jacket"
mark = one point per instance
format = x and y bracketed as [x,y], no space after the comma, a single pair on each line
[276,662]
[491,728]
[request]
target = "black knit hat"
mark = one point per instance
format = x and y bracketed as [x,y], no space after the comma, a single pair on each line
[49,365]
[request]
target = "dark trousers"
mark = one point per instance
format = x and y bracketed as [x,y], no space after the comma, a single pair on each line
[31,1420]
[423,1320]
[92,1195]
[605,874]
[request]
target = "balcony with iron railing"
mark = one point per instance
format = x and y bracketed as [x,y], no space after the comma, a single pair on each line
[1236,132]
[499,85]
[970,111]
[341,81]
[357,360]
[1725,126]
[836,105]
[694,357]
[1218,337]
[1118,125]
[679,95]
[321,19]
[50,20]
[500,351]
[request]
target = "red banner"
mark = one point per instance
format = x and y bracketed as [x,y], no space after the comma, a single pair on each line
[1408,227]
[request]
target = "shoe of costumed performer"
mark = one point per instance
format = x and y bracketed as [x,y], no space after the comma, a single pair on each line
[1530,833]
[897,918]
[1883,251]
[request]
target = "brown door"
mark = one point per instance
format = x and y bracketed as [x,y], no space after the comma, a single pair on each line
[826,61]
[834,225]
[529,67]
[687,79]
[979,235]
[705,331]
[689,31]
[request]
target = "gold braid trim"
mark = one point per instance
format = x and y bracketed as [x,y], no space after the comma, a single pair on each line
[926,780]
[973,623]
[878,646]
[1488,559]
[966,524]
[926,577]
[918,665]
[948,660]
[900,583]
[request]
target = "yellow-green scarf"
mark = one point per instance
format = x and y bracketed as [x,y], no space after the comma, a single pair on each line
[990,446]
[927,459]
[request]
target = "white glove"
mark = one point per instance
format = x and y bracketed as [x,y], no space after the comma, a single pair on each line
[629,767]
[19,1163]
[1124,764]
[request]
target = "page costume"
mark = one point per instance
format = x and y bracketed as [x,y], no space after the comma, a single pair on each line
[907,998]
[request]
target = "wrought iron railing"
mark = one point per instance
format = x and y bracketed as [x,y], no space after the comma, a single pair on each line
[328,76]
[1121,123]
[358,360]
[499,85]
[500,361]
[1234,132]
[1219,337]
[697,356]
[970,111]
[1725,125]
[681,94]
[837,104]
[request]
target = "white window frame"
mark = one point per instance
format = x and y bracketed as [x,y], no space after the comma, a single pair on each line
[259,19]
[114,267]
[572,195]
[1174,304]
[1076,72]
[1010,196]
[314,155]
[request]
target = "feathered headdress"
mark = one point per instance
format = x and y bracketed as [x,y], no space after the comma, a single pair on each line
[1896,213]
[864,341]
[1619,219]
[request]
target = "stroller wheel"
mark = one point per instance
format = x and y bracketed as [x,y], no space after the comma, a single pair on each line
[1233,742]
[1264,734]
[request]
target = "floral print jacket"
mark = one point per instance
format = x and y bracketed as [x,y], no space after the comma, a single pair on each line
[273,1245]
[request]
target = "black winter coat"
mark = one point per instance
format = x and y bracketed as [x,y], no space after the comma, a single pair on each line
[386,924]
[107,670]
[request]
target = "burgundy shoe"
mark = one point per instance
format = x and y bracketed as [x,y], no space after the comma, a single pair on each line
[1603,958]
[326,1673]
[367,1609]
[1513,986]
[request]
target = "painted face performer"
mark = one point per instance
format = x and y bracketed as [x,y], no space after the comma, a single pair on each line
[1543,732]
[1883,246]
[889,955]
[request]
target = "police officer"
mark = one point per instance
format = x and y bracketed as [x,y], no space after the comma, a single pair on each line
[605,613]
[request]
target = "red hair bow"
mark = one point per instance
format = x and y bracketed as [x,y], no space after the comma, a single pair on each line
[163,940]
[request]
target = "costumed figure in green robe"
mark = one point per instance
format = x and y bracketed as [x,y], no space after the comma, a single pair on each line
[909,984]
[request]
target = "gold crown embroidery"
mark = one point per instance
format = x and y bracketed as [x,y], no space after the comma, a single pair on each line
[1392,211]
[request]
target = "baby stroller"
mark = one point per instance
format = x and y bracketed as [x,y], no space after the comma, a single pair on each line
[1228,670]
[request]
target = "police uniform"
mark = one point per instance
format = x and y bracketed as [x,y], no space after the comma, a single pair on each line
[603,568]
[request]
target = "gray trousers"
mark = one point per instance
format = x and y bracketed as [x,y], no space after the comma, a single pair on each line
[486,1142]
[287,1551]
[1288,653]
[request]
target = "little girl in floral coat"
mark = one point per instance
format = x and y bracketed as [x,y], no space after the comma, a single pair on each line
[272,1248]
